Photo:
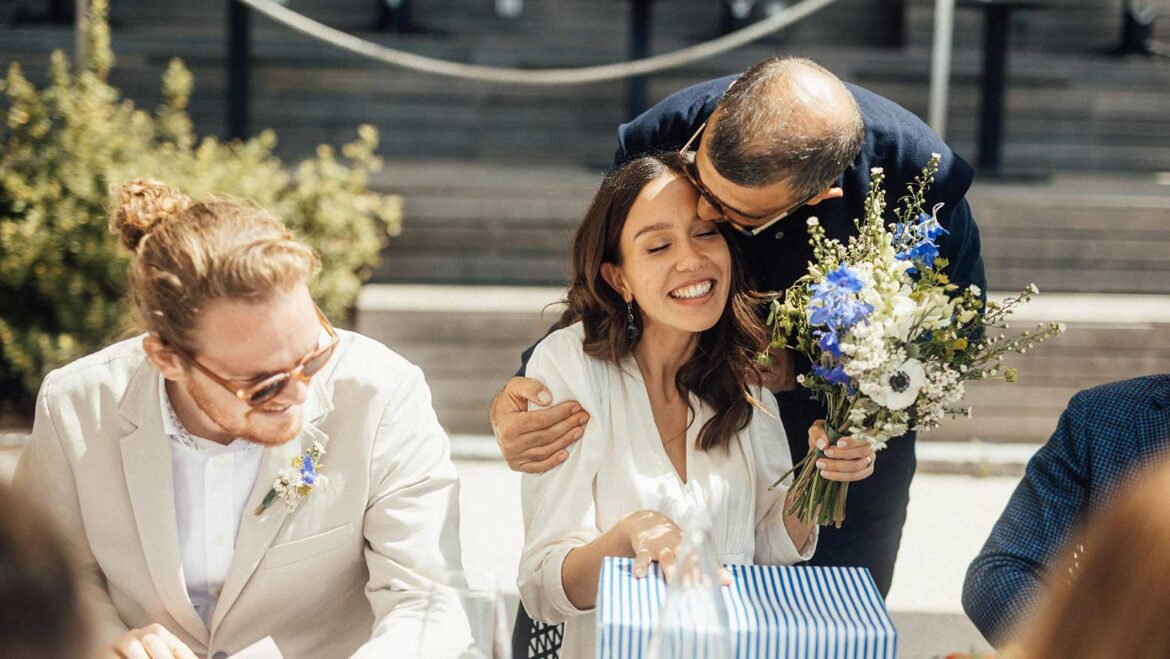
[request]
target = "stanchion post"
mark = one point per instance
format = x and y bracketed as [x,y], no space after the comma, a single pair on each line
[1137,27]
[940,65]
[639,48]
[995,34]
[238,70]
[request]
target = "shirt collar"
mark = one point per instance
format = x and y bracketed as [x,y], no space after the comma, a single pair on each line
[174,428]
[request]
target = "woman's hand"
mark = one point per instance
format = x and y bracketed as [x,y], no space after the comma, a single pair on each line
[847,460]
[653,537]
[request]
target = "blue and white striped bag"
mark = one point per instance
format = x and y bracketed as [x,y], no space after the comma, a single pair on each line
[791,612]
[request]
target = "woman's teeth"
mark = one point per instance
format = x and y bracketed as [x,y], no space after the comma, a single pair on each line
[694,290]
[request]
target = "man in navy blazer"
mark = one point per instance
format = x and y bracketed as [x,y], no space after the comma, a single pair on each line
[893,139]
[1107,434]
[786,142]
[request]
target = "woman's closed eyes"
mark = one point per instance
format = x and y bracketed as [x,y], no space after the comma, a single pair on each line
[702,235]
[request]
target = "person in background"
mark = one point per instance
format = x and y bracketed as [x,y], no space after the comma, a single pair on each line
[41,613]
[1107,434]
[1107,597]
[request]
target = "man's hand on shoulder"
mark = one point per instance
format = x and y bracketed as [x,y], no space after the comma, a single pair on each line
[150,642]
[535,441]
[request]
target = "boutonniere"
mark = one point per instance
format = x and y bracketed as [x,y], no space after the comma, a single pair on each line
[296,481]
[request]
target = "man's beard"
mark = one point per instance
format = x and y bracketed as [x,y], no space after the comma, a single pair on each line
[243,430]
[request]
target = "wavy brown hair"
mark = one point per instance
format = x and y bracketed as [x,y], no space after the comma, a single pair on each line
[724,364]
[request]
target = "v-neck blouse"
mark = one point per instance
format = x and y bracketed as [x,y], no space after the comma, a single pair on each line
[620,466]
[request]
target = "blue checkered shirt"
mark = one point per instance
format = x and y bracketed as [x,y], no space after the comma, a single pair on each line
[1106,434]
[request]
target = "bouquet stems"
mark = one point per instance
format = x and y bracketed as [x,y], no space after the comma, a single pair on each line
[812,497]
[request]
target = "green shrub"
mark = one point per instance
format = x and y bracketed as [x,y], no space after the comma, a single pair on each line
[63,275]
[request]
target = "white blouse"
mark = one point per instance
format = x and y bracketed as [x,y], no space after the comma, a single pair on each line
[619,466]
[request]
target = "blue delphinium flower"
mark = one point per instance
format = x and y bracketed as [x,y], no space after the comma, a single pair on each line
[844,279]
[835,307]
[834,375]
[923,248]
[308,471]
[929,225]
[827,340]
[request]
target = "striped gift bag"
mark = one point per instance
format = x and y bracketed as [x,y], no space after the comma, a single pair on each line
[775,611]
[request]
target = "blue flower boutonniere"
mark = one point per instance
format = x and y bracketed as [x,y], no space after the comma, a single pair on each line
[297,481]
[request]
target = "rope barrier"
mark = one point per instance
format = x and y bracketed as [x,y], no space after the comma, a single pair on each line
[536,77]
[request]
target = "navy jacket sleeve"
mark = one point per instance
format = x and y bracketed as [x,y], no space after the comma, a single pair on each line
[1044,509]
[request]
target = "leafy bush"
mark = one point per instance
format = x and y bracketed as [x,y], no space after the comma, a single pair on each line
[63,275]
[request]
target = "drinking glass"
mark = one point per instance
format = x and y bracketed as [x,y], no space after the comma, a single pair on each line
[465,617]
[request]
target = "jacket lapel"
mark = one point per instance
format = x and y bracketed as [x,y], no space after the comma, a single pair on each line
[146,463]
[258,531]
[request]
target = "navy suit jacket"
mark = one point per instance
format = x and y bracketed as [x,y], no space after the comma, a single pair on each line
[1106,434]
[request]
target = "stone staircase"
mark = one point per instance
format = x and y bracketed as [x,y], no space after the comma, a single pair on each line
[496,178]
[1094,244]
[1069,108]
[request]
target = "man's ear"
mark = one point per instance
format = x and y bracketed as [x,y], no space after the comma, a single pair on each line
[613,276]
[167,361]
[831,192]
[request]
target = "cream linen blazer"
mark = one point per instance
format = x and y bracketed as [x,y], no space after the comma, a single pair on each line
[347,573]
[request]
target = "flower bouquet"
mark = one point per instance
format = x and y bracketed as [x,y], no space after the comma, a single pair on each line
[890,338]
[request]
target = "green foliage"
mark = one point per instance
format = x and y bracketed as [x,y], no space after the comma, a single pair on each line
[63,274]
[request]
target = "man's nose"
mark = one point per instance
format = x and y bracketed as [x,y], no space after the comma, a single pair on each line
[707,212]
[296,392]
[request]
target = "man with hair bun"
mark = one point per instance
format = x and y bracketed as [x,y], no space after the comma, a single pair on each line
[785,142]
[243,470]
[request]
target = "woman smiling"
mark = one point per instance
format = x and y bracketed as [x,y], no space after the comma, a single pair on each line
[658,344]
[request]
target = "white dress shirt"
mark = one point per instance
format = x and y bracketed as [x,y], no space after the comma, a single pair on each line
[212,484]
[619,466]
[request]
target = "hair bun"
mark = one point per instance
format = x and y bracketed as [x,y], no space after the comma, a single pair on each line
[143,204]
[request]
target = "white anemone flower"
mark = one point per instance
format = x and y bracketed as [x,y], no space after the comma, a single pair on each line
[898,388]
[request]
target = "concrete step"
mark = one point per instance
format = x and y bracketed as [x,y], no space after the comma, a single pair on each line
[1072,26]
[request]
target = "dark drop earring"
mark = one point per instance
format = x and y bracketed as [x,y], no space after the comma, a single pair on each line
[631,326]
